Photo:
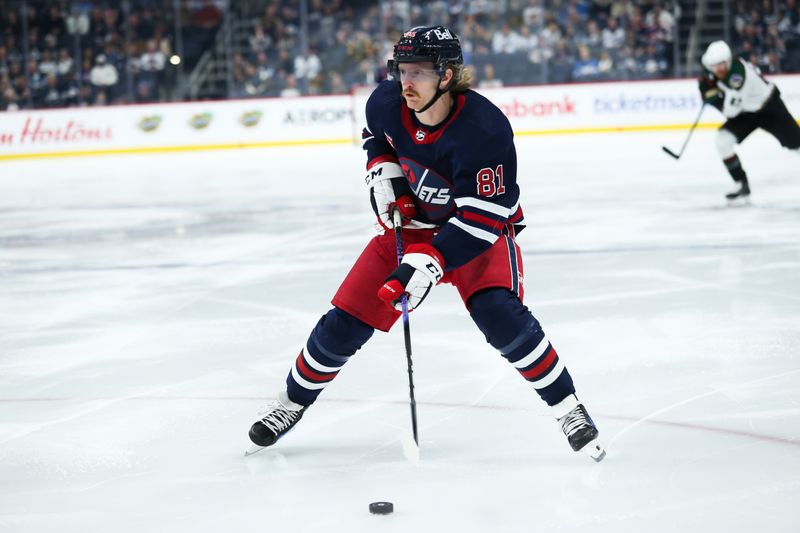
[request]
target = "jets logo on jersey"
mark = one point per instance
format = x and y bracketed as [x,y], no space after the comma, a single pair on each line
[433,195]
[433,190]
[420,135]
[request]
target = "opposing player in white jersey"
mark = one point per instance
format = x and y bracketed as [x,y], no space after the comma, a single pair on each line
[749,102]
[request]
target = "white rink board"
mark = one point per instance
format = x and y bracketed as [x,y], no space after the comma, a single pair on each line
[576,108]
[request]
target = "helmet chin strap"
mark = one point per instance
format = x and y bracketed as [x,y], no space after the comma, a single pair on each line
[439,93]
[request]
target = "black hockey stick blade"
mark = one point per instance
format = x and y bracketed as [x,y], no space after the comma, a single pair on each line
[670,152]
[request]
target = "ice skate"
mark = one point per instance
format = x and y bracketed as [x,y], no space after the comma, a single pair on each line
[742,194]
[276,419]
[579,428]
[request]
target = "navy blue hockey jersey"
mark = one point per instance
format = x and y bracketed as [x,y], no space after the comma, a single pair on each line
[461,173]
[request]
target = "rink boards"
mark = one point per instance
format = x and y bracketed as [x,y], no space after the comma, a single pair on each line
[275,122]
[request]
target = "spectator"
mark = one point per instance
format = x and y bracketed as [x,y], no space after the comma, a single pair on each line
[489,80]
[653,64]
[336,83]
[153,60]
[592,37]
[9,101]
[290,89]
[661,21]
[151,69]
[586,67]
[51,96]
[36,79]
[103,76]
[533,14]
[605,66]
[254,85]
[259,41]
[264,70]
[307,67]
[613,35]
[47,65]
[65,63]
[506,41]
[69,89]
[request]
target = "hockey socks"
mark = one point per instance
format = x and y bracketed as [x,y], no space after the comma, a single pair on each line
[511,328]
[738,174]
[336,337]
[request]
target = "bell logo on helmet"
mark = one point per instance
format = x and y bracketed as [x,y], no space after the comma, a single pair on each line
[443,33]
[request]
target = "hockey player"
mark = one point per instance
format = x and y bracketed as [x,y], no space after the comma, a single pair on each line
[444,156]
[748,101]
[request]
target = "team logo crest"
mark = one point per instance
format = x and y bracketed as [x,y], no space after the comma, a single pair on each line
[250,118]
[200,120]
[150,123]
[420,135]
[434,191]
[737,80]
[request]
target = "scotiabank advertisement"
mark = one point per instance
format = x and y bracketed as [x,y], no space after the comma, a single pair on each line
[276,122]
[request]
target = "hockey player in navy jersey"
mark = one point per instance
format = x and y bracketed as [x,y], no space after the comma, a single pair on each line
[748,101]
[443,156]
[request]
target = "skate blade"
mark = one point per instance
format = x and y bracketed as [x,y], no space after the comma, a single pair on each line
[595,450]
[739,201]
[253,448]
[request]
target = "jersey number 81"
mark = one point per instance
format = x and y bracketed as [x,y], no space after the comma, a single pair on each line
[490,181]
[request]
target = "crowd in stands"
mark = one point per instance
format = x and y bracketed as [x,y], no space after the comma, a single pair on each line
[94,52]
[508,42]
[767,34]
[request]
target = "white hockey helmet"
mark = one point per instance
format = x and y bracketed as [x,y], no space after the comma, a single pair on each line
[716,53]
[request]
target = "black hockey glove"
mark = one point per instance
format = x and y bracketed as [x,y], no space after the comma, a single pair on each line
[709,91]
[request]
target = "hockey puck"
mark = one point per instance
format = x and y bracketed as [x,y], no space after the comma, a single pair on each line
[381,507]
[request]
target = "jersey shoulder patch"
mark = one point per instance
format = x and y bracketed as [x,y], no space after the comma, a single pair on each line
[737,74]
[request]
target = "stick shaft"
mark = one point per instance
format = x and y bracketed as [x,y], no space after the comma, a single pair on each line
[398,234]
[688,136]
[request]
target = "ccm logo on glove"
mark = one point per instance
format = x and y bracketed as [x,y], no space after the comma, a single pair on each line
[388,189]
[422,268]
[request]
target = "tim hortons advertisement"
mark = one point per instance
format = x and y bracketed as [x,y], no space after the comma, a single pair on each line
[175,127]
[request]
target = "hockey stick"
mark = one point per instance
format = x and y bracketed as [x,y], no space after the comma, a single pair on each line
[689,136]
[410,449]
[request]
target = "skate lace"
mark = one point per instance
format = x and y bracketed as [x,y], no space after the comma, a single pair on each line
[573,421]
[276,417]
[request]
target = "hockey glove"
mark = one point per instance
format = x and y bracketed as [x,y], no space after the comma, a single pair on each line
[422,268]
[384,180]
[709,91]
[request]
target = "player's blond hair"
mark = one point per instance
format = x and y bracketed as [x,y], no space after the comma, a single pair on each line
[462,78]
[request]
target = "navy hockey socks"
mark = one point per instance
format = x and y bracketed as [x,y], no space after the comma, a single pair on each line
[511,328]
[336,337]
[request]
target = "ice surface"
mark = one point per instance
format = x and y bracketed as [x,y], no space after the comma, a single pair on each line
[150,304]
